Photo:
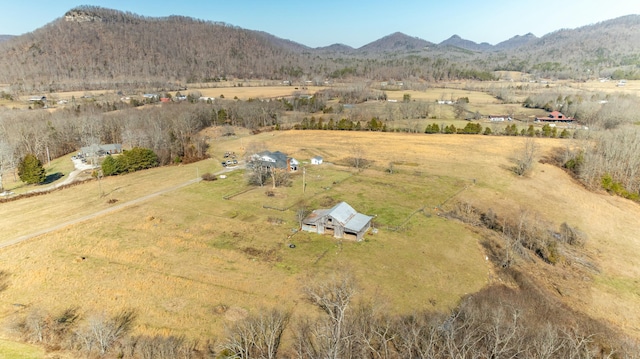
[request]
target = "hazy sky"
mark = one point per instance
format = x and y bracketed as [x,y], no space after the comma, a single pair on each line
[354,23]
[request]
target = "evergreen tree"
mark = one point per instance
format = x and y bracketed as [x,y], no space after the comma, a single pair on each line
[471,128]
[30,170]
[139,159]
[450,129]
[511,130]
[130,161]
[432,128]
[110,166]
[531,132]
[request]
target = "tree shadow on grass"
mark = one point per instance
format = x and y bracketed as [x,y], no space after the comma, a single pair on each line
[52,178]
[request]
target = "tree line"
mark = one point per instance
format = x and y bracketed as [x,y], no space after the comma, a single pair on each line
[171,130]
[608,160]
[498,322]
[376,124]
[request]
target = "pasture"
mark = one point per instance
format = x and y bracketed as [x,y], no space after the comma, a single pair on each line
[15,350]
[190,261]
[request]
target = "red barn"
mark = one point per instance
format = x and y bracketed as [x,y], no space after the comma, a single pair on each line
[555,116]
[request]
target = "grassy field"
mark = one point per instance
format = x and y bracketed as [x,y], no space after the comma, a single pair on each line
[14,350]
[191,252]
[190,261]
[179,257]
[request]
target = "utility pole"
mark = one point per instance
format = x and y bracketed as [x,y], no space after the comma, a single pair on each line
[99,175]
[304,179]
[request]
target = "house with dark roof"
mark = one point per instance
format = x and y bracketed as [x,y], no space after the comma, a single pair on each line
[276,160]
[100,150]
[341,220]
[555,116]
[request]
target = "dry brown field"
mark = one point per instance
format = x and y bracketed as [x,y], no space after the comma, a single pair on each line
[190,262]
[245,93]
[631,87]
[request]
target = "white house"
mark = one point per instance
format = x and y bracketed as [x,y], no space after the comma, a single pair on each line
[37,98]
[275,159]
[317,160]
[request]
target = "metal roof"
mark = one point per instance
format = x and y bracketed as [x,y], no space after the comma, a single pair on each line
[357,222]
[315,216]
[348,217]
[342,212]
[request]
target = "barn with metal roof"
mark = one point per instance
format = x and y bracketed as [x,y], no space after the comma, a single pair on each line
[341,220]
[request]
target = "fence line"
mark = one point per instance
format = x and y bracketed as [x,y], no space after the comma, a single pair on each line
[229,196]
[403,224]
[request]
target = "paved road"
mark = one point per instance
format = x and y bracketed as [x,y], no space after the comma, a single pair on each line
[117,207]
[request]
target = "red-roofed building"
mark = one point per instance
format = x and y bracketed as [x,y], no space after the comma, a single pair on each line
[555,116]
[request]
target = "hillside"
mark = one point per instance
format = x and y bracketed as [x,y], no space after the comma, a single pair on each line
[457,41]
[598,49]
[516,42]
[397,42]
[96,46]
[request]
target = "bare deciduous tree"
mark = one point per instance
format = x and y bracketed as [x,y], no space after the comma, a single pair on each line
[258,336]
[100,332]
[525,157]
[333,297]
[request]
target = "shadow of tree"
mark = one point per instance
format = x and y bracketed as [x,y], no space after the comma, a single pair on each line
[53,177]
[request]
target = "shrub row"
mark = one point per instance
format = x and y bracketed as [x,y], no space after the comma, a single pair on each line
[129,161]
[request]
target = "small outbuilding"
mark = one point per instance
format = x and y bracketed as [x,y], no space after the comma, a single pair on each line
[341,220]
[317,160]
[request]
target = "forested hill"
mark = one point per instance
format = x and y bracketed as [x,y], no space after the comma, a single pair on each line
[93,47]
[607,48]
[96,45]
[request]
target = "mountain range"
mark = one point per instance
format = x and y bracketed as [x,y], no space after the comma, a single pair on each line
[93,47]
[6,37]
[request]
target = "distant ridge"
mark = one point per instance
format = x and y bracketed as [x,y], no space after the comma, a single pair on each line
[457,41]
[516,41]
[339,48]
[6,37]
[396,42]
